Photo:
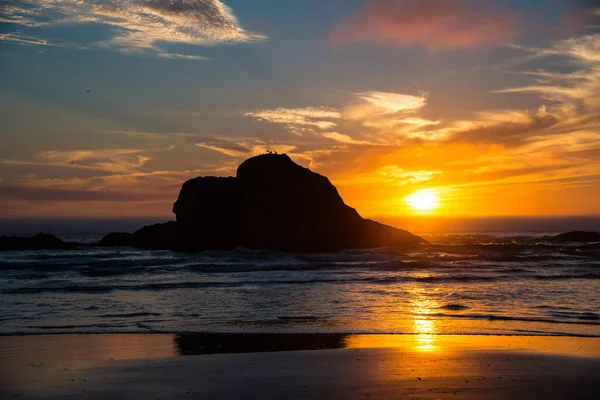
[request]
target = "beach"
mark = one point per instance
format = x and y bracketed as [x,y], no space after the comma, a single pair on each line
[363,367]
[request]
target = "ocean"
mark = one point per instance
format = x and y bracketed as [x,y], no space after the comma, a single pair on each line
[502,283]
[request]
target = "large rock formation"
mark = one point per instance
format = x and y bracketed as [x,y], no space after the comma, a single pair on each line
[272,203]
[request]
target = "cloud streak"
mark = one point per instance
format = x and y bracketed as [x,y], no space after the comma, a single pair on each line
[107,160]
[25,40]
[434,24]
[138,26]
[381,112]
[243,148]
[298,119]
[48,194]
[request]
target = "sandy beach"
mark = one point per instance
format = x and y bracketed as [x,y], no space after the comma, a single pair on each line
[368,367]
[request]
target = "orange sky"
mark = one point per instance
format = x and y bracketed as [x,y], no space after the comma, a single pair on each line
[492,106]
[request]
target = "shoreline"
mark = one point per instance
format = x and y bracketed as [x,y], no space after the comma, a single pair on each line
[108,366]
[225,333]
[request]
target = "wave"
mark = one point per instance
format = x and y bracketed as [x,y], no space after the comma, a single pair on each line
[297,318]
[131,315]
[453,307]
[493,317]
[105,288]
[49,292]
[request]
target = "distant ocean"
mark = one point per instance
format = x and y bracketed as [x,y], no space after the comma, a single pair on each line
[468,283]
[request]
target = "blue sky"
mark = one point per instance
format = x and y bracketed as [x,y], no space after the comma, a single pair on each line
[368,92]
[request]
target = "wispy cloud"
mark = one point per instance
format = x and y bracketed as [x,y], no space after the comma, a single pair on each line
[20,13]
[107,160]
[177,56]
[25,40]
[138,26]
[388,116]
[345,139]
[376,104]
[49,194]
[435,24]
[243,148]
[298,118]
[399,175]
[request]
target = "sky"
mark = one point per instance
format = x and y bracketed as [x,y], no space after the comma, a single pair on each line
[489,107]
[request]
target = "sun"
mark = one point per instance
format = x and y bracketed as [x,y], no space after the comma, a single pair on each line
[423,200]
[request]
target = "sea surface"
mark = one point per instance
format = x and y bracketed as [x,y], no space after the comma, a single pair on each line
[513,284]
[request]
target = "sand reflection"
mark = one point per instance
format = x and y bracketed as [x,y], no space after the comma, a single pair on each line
[50,360]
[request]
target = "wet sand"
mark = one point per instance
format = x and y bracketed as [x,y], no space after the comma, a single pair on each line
[354,367]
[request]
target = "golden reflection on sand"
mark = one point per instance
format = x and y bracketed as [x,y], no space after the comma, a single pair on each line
[72,363]
[551,345]
[48,359]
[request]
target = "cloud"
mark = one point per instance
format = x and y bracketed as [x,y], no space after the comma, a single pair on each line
[139,26]
[25,40]
[243,148]
[572,98]
[107,160]
[392,118]
[389,115]
[176,56]
[48,194]
[393,102]
[383,105]
[435,24]
[400,176]
[296,119]
[345,139]
[579,14]
[21,13]
[227,148]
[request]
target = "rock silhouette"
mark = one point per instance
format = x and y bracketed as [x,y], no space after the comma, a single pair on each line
[117,239]
[577,236]
[41,241]
[273,204]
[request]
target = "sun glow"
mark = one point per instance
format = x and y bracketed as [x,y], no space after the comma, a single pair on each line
[423,200]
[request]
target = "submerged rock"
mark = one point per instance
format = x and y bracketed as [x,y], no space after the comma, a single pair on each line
[577,236]
[41,241]
[272,203]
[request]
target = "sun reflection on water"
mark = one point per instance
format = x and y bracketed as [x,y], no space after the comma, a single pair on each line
[424,326]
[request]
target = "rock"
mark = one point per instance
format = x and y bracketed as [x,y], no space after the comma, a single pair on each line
[273,204]
[117,239]
[41,241]
[208,212]
[158,237]
[577,236]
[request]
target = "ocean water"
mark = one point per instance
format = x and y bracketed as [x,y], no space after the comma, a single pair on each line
[514,284]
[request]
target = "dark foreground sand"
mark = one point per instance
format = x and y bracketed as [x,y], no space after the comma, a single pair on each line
[370,367]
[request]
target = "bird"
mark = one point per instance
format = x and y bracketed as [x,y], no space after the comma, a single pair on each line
[88,91]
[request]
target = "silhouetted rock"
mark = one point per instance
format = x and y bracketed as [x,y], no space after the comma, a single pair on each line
[577,236]
[274,204]
[117,239]
[208,213]
[158,237]
[41,241]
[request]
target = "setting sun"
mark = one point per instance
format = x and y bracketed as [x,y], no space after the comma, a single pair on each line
[423,200]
